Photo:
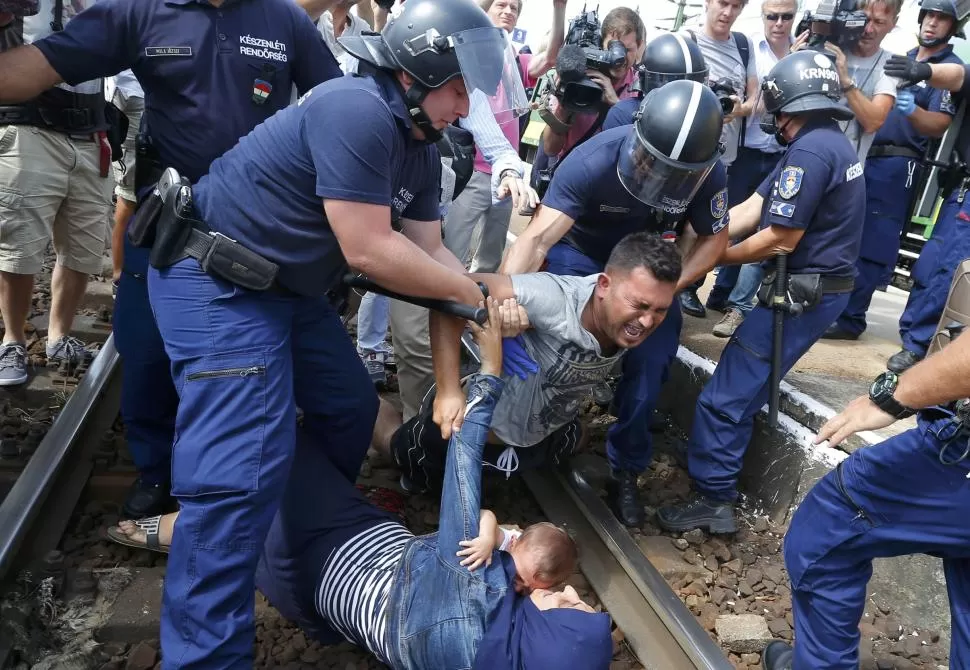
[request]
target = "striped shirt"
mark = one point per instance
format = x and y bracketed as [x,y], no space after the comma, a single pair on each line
[356,580]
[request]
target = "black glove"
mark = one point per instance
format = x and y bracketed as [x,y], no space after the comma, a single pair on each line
[907,69]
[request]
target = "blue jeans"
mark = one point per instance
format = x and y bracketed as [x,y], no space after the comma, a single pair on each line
[242,361]
[891,499]
[629,442]
[372,318]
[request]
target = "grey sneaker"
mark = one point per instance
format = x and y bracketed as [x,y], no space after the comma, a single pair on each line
[376,370]
[68,350]
[13,364]
[728,323]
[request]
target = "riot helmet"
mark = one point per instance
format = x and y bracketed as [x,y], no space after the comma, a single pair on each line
[947,7]
[672,145]
[671,57]
[805,81]
[435,41]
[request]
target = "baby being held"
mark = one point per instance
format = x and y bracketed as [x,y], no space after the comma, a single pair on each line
[544,554]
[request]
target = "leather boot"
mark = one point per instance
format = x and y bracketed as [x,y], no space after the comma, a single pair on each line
[713,516]
[624,495]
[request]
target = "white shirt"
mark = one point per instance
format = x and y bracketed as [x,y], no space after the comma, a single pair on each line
[489,139]
[764,60]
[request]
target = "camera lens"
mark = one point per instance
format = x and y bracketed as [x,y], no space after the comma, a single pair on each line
[726,103]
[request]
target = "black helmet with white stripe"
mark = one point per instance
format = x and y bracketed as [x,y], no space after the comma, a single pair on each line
[805,81]
[672,146]
[437,41]
[671,57]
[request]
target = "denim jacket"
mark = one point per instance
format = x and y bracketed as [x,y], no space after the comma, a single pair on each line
[437,610]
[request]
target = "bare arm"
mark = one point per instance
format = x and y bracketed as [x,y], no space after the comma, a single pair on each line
[941,378]
[745,217]
[25,74]
[391,259]
[766,243]
[526,254]
[540,63]
[930,124]
[365,10]
[870,114]
[702,257]
[315,8]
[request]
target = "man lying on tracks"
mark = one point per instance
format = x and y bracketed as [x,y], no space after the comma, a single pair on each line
[906,495]
[580,326]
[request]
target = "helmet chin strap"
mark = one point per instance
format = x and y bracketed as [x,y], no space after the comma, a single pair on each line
[414,96]
[929,44]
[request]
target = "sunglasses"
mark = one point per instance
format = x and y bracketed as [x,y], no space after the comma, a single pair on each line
[787,16]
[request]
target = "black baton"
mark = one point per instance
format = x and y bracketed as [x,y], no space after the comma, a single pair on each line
[779,305]
[477,314]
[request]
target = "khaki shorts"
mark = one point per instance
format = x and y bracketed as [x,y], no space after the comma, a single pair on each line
[124,169]
[50,187]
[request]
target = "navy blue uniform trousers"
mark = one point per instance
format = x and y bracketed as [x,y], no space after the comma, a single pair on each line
[629,444]
[242,362]
[933,274]
[724,418]
[891,499]
[148,398]
[889,186]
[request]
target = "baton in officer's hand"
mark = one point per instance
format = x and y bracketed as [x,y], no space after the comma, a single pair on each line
[460,310]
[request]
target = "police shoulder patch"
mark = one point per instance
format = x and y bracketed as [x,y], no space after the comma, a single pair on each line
[785,209]
[719,204]
[719,224]
[790,181]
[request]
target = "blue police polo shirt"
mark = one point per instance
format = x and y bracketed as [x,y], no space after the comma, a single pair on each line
[897,130]
[347,139]
[621,114]
[210,74]
[586,188]
[818,186]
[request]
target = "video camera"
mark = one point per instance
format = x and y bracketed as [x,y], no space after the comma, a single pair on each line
[582,52]
[837,22]
[724,89]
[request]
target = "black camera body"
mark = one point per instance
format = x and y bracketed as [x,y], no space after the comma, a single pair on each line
[837,22]
[581,52]
[724,89]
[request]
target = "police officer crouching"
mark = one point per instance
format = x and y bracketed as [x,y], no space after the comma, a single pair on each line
[246,320]
[657,175]
[810,211]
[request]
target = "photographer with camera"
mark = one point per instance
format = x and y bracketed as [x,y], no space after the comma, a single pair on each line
[859,60]
[734,78]
[576,111]
[906,495]
[892,170]
[658,174]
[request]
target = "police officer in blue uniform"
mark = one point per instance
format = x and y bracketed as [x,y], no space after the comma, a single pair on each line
[658,174]
[949,243]
[667,57]
[907,495]
[211,73]
[891,167]
[811,207]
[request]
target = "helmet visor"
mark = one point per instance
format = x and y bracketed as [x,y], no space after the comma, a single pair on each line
[653,80]
[656,180]
[488,64]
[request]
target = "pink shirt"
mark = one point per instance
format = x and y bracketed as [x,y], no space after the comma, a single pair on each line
[583,122]
[508,123]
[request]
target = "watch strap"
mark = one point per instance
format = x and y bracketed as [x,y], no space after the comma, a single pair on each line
[886,400]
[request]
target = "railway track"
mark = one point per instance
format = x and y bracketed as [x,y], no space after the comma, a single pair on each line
[658,627]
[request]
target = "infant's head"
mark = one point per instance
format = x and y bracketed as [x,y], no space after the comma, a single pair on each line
[545,556]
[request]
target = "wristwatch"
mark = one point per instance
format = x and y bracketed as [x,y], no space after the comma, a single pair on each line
[509,172]
[848,86]
[881,394]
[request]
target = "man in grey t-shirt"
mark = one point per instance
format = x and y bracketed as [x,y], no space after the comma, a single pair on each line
[866,89]
[579,328]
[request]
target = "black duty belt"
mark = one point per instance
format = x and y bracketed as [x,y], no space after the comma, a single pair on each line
[62,119]
[830,284]
[199,246]
[893,150]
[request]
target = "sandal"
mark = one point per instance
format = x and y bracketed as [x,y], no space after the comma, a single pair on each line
[149,526]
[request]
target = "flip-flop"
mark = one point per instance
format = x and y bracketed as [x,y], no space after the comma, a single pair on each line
[149,526]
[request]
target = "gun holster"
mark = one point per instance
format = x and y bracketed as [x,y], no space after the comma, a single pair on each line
[175,222]
[141,227]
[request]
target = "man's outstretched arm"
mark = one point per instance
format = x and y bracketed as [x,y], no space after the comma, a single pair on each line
[25,73]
